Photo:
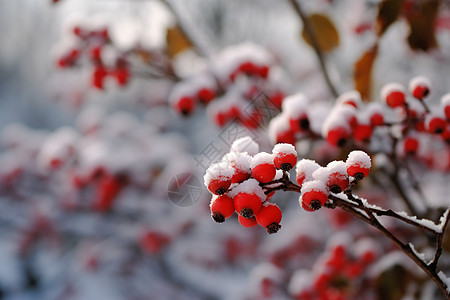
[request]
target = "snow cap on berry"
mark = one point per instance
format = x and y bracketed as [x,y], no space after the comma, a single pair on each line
[249,186]
[295,106]
[340,116]
[350,98]
[305,169]
[419,86]
[239,160]
[218,171]
[245,144]
[278,125]
[262,158]
[388,90]
[314,186]
[359,158]
[301,280]
[445,100]
[283,148]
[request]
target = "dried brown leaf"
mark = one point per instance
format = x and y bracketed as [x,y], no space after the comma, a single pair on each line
[421,19]
[388,13]
[177,42]
[324,30]
[362,73]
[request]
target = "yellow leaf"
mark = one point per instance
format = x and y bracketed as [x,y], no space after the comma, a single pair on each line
[388,13]
[177,42]
[362,73]
[324,30]
[421,20]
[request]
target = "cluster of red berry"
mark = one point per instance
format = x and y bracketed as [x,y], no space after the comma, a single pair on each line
[335,271]
[238,183]
[91,44]
[318,182]
[409,129]
[246,179]
[235,78]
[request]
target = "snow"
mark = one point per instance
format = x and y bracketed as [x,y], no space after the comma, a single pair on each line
[445,100]
[277,125]
[221,171]
[350,96]
[445,279]
[249,186]
[264,271]
[337,166]
[340,116]
[238,160]
[421,256]
[306,167]
[245,144]
[424,222]
[360,158]
[314,185]
[295,106]
[419,81]
[391,87]
[363,245]
[300,280]
[262,158]
[284,148]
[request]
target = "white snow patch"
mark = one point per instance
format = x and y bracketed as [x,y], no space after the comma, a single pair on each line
[262,158]
[360,158]
[218,171]
[245,144]
[249,186]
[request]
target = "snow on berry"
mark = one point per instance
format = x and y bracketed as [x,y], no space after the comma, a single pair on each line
[314,194]
[334,175]
[279,130]
[300,284]
[363,131]
[240,161]
[358,164]
[375,113]
[263,168]
[295,107]
[393,94]
[218,178]
[419,87]
[245,144]
[352,98]
[269,217]
[366,250]
[285,156]
[337,127]
[305,169]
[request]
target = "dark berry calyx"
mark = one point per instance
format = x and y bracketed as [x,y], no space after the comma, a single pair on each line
[342,142]
[246,213]
[335,189]
[304,124]
[218,217]
[359,176]
[273,228]
[221,191]
[315,205]
[286,166]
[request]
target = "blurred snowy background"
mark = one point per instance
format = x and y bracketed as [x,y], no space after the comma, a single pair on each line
[85,172]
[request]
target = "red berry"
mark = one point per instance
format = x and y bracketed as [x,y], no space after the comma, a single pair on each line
[218,178]
[338,136]
[394,95]
[122,75]
[206,95]
[240,175]
[247,222]
[314,194]
[362,133]
[220,185]
[304,206]
[445,104]
[336,174]
[410,145]
[153,242]
[352,98]
[263,168]
[98,76]
[435,124]
[96,53]
[247,205]
[446,134]
[222,207]
[277,99]
[247,67]
[358,164]
[185,105]
[108,189]
[376,119]
[285,156]
[269,217]
[262,71]
[419,87]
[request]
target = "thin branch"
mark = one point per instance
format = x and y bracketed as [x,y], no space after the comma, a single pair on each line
[315,44]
